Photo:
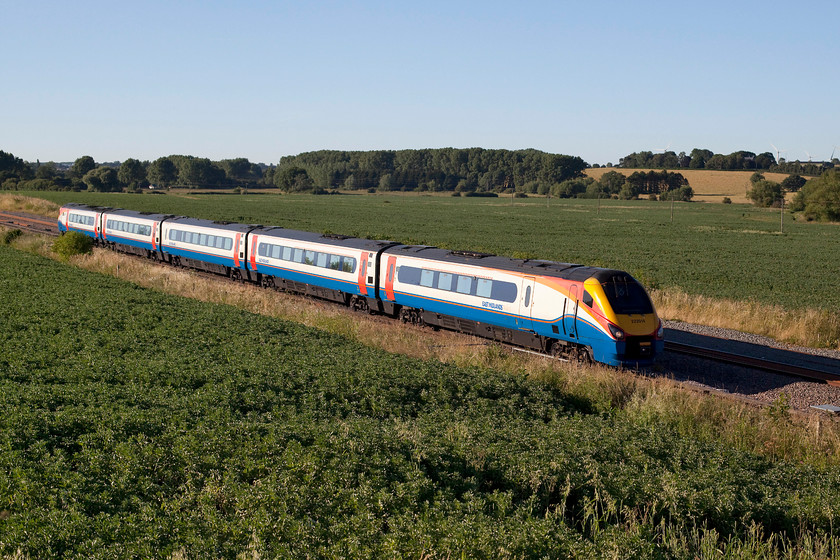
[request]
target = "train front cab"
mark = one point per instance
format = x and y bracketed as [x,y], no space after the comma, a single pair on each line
[634,334]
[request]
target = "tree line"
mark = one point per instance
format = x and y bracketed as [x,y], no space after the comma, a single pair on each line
[444,169]
[706,159]
[131,174]
[816,199]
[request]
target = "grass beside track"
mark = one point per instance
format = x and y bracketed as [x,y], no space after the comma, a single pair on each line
[140,424]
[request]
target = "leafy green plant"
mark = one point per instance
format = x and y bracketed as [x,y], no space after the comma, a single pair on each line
[137,424]
[72,243]
[10,235]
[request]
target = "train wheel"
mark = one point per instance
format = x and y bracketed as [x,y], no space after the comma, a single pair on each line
[267,282]
[359,304]
[236,275]
[582,355]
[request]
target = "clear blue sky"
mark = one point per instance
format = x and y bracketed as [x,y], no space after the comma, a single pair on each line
[262,80]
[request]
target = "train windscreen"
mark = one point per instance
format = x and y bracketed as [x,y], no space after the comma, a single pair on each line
[627,296]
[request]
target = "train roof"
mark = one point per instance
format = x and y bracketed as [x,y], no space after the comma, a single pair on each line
[227,226]
[567,271]
[136,214]
[370,245]
[80,206]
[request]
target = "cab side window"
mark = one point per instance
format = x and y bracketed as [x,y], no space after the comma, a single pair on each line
[587,299]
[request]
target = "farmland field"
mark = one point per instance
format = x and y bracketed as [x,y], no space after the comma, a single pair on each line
[137,424]
[721,251]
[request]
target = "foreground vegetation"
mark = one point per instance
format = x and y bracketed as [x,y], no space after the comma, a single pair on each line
[200,430]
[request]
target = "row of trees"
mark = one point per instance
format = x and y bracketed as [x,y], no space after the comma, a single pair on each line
[446,169]
[817,199]
[655,185]
[706,159]
[131,174]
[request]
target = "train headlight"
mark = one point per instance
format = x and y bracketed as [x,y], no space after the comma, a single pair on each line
[660,332]
[616,332]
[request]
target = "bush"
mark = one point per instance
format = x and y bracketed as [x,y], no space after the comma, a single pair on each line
[819,199]
[727,200]
[765,193]
[482,194]
[10,235]
[72,243]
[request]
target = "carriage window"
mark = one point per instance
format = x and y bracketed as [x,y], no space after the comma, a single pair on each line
[322,260]
[445,281]
[464,284]
[287,253]
[348,264]
[484,288]
[298,256]
[335,262]
[527,296]
[276,251]
[427,278]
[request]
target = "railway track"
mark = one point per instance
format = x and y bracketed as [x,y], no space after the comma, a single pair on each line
[753,362]
[40,224]
[28,222]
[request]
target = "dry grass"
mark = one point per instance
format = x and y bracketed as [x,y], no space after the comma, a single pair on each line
[39,206]
[708,185]
[814,328]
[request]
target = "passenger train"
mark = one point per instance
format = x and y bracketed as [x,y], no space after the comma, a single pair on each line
[566,310]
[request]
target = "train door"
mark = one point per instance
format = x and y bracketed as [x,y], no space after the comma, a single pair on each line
[99,226]
[570,317]
[389,277]
[526,304]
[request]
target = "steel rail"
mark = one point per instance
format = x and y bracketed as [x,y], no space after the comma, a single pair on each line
[32,223]
[753,362]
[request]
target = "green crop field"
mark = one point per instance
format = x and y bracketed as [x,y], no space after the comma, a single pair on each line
[136,424]
[723,251]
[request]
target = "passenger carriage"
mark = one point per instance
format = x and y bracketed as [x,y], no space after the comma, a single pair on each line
[133,232]
[334,267]
[81,218]
[217,247]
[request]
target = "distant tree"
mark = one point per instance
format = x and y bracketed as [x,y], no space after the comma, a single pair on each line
[571,188]
[101,179]
[46,171]
[819,199]
[683,193]
[292,179]
[200,172]
[765,160]
[162,172]
[756,177]
[612,181]
[132,174]
[82,166]
[699,157]
[765,193]
[793,183]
